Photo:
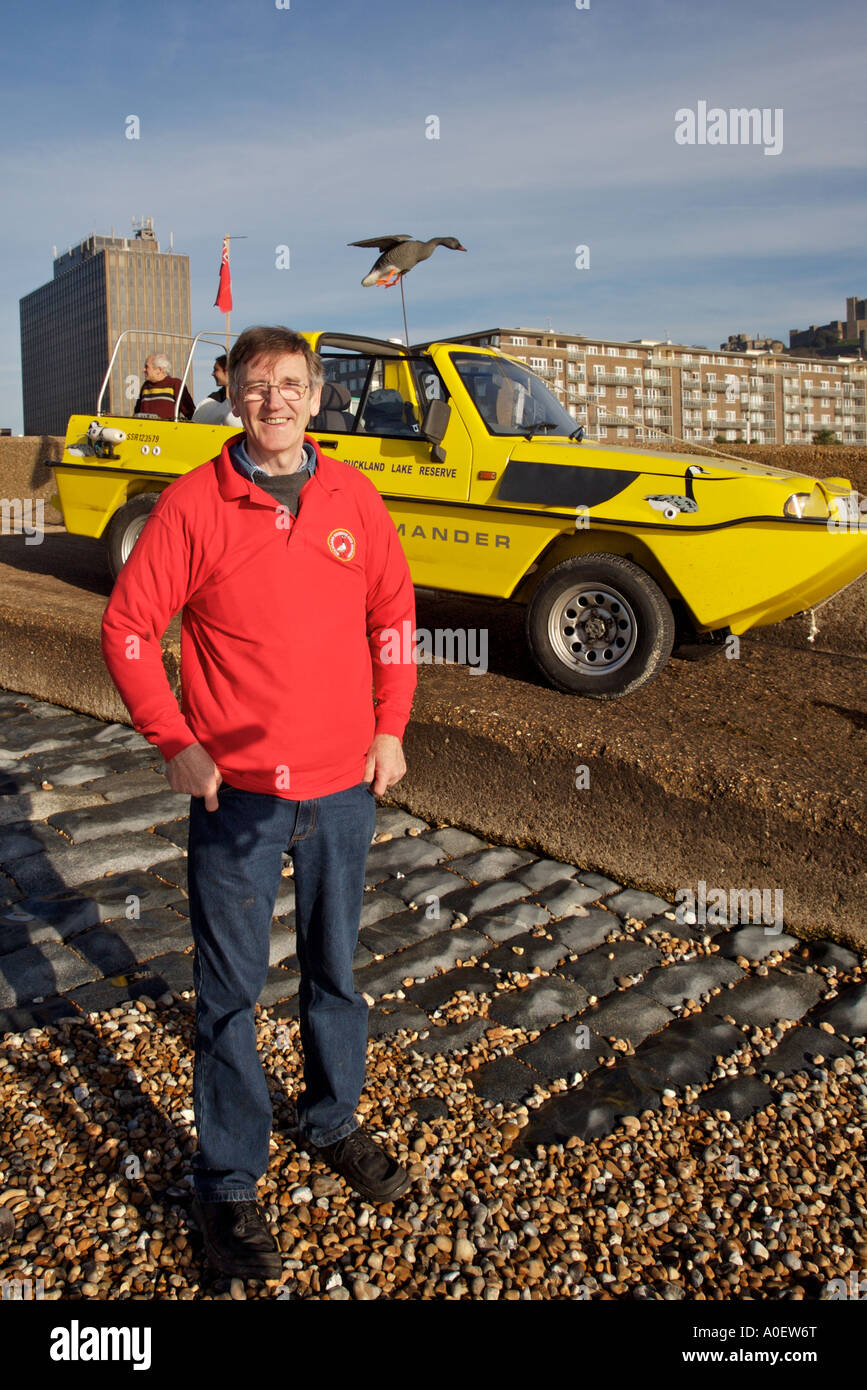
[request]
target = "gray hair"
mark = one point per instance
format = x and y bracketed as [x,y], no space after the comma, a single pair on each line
[159,359]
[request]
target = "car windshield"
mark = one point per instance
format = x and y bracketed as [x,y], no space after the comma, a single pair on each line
[509,398]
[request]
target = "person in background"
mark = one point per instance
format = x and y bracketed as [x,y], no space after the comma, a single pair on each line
[221,376]
[216,409]
[159,392]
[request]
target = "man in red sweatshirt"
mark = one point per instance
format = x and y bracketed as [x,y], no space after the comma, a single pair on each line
[289,570]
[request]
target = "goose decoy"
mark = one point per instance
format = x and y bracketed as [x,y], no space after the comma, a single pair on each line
[400,254]
[670,504]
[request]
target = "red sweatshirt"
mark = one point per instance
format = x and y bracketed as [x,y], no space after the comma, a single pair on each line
[280,645]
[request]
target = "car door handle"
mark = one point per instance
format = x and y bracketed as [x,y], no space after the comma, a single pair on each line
[328,443]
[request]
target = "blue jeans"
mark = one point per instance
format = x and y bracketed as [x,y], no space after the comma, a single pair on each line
[234,869]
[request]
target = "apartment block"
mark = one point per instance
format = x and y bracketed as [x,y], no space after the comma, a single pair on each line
[634,392]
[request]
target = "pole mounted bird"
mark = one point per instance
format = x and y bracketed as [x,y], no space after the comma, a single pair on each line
[400,254]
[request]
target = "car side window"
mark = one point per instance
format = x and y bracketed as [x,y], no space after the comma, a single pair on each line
[345,383]
[388,407]
[387,397]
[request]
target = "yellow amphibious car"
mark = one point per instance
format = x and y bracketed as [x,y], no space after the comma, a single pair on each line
[615,553]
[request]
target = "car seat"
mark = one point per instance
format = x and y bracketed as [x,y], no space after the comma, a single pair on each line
[334,412]
[386,413]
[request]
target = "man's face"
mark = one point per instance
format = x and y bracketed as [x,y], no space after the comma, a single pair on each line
[275,427]
[220,375]
[154,373]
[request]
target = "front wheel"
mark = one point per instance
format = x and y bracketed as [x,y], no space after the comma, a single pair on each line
[125,528]
[598,625]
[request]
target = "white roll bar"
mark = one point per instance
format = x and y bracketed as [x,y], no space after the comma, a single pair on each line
[216,337]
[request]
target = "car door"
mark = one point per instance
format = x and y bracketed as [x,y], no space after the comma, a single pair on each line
[371,415]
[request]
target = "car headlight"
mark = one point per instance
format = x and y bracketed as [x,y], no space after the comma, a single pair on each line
[796,505]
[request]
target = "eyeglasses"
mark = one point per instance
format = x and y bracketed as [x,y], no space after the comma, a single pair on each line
[261,390]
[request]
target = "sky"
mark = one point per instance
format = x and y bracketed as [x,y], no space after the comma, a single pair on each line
[307,126]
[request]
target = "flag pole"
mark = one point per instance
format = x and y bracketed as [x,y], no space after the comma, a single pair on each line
[228,311]
[224,293]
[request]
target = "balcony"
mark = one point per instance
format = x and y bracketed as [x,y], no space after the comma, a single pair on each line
[613,379]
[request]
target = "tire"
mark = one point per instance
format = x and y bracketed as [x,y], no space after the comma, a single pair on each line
[630,634]
[125,528]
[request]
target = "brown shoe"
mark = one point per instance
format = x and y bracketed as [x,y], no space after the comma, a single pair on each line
[366,1167]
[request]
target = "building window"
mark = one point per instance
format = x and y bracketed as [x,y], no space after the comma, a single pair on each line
[519,342]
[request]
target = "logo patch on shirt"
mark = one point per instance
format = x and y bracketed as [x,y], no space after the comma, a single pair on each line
[342,543]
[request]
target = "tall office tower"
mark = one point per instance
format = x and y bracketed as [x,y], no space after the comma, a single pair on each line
[69,326]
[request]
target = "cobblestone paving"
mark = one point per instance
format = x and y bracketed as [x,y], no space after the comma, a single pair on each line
[541,977]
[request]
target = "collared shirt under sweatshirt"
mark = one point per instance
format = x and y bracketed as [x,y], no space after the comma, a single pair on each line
[286,621]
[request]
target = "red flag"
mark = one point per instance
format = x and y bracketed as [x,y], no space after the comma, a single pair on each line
[223,302]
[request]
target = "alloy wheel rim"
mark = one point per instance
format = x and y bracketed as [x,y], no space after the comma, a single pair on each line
[593,629]
[130,536]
